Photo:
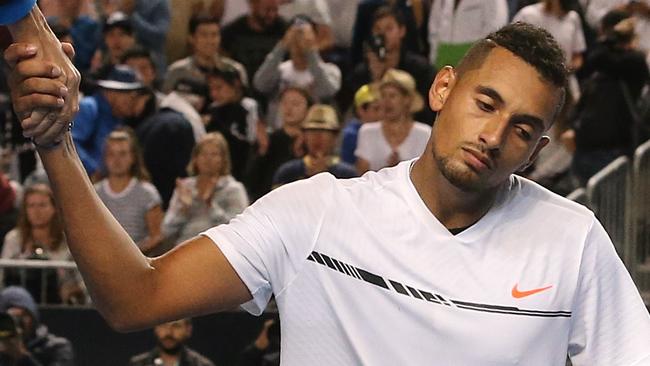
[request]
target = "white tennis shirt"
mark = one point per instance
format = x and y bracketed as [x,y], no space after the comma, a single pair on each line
[364,274]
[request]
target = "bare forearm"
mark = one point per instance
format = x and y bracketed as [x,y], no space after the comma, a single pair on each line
[113,268]
[29,27]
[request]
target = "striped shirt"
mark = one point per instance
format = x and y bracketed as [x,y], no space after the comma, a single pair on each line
[131,205]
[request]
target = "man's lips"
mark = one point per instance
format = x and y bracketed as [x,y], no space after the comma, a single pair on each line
[478,159]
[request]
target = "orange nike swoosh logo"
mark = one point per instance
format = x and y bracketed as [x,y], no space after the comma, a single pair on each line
[519,294]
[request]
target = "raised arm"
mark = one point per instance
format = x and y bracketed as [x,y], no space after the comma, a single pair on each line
[130,290]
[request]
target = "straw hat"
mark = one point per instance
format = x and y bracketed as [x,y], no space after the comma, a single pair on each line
[404,81]
[321,117]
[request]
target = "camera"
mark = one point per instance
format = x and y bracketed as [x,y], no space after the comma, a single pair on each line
[377,44]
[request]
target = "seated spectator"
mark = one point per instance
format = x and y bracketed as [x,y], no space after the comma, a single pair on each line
[189,98]
[11,338]
[249,38]
[367,108]
[319,129]
[397,137]
[305,69]
[205,40]
[118,38]
[43,346]
[100,113]
[83,29]
[150,21]
[412,12]
[455,25]
[284,144]
[210,196]
[385,51]
[140,60]
[39,235]
[171,348]
[127,194]
[603,125]
[234,115]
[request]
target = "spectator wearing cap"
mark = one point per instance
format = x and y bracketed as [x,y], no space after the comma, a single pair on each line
[118,37]
[397,137]
[235,116]
[304,69]
[45,347]
[285,143]
[150,21]
[249,38]
[100,113]
[367,108]
[205,40]
[320,130]
[385,51]
[84,31]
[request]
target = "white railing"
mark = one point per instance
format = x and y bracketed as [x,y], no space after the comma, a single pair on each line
[46,267]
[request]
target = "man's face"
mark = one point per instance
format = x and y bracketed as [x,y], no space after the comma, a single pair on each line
[391,30]
[293,107]
[117,42]
[119,158]
[145,68]
[122,102]
[221,92]
[206,39]
[172,336]
[39,209]
[265,11]
[395,103]
[491,121]
[370,112]
[319,142]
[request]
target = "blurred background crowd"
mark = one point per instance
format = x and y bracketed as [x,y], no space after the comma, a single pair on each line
[193,110]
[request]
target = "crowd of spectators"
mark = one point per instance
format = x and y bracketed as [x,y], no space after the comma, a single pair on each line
[274,91]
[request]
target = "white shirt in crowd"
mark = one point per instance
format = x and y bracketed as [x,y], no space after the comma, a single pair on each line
[364,274]
[373,147]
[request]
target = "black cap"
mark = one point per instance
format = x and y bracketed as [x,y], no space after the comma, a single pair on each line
[118,20]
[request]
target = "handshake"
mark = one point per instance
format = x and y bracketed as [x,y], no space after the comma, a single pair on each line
[44,86]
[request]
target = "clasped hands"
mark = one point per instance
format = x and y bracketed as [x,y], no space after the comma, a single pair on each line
[44,88]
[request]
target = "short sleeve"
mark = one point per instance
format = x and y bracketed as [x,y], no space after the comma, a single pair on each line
[13,10]
[610,324]
[578,45]
[152,196]
[268,242]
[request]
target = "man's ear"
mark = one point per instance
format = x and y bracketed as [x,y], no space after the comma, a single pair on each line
[441,87]
[540,145]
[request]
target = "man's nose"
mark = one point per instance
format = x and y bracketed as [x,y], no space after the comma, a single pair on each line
[494,133]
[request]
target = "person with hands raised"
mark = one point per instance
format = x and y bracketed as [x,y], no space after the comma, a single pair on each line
[211,196]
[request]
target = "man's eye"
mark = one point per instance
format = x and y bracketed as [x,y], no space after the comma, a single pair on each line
[484,106]
[524,133]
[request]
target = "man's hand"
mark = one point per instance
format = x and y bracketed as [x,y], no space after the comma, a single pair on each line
[44,89]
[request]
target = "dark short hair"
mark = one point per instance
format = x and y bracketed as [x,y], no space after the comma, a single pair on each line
[198,20]
[534,45]
[388,11]
[137,52]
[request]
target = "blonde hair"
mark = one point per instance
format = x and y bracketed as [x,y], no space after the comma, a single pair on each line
[138,169]
[221,143]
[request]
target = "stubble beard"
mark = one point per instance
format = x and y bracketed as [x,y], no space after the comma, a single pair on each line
[461,177]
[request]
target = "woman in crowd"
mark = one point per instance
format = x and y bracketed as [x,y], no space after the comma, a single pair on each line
[39,235]
[127,193]
[210,196]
